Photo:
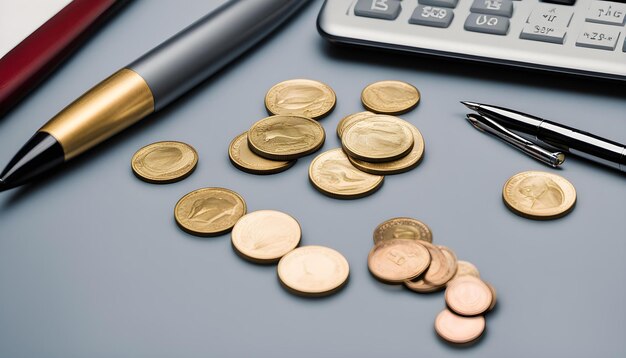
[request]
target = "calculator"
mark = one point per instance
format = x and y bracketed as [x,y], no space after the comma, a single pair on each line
[583,37]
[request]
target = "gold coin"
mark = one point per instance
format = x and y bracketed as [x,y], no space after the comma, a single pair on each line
[435,276]
[209,211]
[451,262]
[390,97]
[465,268]
[493,295]
[539,195]
[243,158]
[402,165]
[164,162]
[402,228]
[349,119]
[378,139]
[313,271]
[396,261]
[468,296]
[264,236]
[285,137]
[457,329]
[332,174]
[301,97]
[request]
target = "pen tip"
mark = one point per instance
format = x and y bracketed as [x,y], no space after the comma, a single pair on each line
[471,105]
[3,186]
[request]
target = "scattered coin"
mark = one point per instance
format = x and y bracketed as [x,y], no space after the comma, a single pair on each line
[313,271]
[457,329]
[396,261]
[451,262]
[285,137]
[301,97]
[164,162]
[243,158]
[402,228]
[465,268]
[332,174]
[468,296]
[434,278]
[390,97]
[398,166]
[209,211]
[264,236]
[377,139]
[348,120]
[539,195]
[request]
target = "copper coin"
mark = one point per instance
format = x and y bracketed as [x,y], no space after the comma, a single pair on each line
[395,261]
[451,262]
[539,195]
[435,276]
[468,296]
[402,228]
[493,294]
[465,268]
[265,236]
[457,329]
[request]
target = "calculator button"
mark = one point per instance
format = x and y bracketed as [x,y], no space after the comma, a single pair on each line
[543,32]
[607,12]
[493,7]
[488,24]
[554,15]
[432,16]
[379,9]
[440,3]
[598,36]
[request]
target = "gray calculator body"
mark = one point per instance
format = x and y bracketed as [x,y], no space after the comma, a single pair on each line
[587,37]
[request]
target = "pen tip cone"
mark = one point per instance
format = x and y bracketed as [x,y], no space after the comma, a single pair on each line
[471,105]
[3,186]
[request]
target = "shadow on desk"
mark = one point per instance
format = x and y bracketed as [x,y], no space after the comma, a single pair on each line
[479,70]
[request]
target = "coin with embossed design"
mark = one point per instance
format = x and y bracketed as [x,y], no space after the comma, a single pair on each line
[435,277]
[332,174]
[378,139]
[265,236]
[404,164]
[285,137]
[458,329]
[390,97]
[395,261]
[243,158]
[402,228]
[539,195]
[313,271]
[346,121]
[164,162]
[301,97]
[209,211]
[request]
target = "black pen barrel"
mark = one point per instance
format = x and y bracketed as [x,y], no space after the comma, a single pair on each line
[202,49]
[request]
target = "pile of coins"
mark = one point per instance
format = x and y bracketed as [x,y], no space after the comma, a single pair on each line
[273,144]
[403,253]
[373,144]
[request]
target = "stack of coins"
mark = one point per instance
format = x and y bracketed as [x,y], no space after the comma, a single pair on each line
[403,253]
[273,144]
[374,143]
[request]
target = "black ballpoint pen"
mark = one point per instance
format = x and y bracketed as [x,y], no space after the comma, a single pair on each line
[556,136]
[148,84]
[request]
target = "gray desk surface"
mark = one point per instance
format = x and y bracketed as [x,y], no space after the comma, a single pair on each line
[93,265]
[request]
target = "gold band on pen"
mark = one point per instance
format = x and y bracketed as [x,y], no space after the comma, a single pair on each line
[111,106]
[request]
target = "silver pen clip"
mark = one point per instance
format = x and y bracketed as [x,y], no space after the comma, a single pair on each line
[485,124]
